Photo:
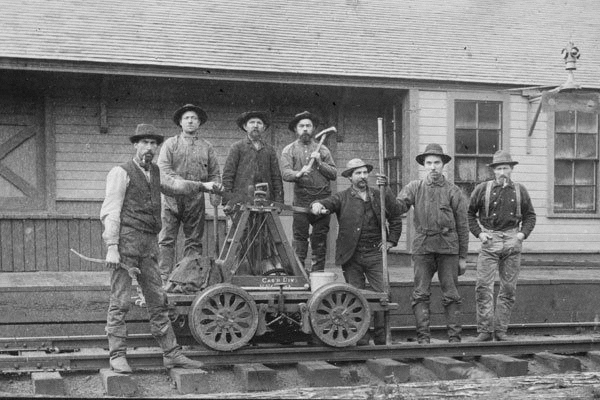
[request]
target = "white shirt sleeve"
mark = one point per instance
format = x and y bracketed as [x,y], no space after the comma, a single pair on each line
[117,181]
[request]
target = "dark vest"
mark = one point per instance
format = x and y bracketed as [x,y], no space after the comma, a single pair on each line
[141,206]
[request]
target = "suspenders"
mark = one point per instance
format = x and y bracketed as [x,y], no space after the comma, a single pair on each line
[488,192]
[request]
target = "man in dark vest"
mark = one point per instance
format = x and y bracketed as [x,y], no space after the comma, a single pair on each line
[131,218]
[501,216]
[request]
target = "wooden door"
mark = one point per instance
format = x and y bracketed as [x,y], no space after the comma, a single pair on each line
[22,154]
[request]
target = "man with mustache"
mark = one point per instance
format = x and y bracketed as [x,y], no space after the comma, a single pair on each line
[359,241]
[441,240]
[310,184]
[251,161]
[501,216]
[131,218]
[186,156]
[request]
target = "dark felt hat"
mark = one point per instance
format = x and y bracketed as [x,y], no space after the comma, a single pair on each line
[146,131]
[433,149]
[502,157]
[190,107]
[354,164]
[245,116]
[300,117]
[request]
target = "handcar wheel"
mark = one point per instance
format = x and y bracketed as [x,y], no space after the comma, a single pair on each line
[223,317]
[339,314]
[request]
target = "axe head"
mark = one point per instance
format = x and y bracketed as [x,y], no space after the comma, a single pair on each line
[326,132]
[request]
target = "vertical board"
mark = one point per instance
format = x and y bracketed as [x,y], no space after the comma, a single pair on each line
[96,243]
[29,243]
[6,244]
[17,240]
[52,245]
[84,243]
[41,245]
[63,245]
[74,261]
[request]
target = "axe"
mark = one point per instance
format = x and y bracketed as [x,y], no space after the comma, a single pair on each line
[322,136]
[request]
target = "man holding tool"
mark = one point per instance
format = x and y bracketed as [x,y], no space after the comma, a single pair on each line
[309,165]
[359,242]
[131,218]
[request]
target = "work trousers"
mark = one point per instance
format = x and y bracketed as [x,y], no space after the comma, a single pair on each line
[503,253]
[188,211]
[318,237]
[365,263]
[425,266]
[151,285]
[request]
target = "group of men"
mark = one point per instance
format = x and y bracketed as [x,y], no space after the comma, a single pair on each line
[145,199]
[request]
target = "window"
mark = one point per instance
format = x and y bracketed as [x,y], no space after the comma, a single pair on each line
[575,162]
[477,131]
[392,123]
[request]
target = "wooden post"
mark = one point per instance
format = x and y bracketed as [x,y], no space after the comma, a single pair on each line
[382,190]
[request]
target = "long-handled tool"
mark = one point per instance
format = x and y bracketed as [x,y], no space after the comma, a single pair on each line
[215,200]
[382,188]
[321,136]
[132,271]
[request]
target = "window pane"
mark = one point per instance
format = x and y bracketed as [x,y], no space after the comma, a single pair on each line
[584,198]
[564,146]
[586,146]
[563,172]
[465,169]
[563,198]
[587,122]
[488,141]
[466,141]
[464,114]
[584,173]
[489,116]
[484,173]
[564,121]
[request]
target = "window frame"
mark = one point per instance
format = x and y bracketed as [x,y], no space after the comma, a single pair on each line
[551,125]
[502,98]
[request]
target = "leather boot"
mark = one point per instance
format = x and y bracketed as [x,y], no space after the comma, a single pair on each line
[319,255]
[421,311]
[483,337]
[166,259]
[301,249]
[379,331]
[117,347]
[452,312]
[172,356]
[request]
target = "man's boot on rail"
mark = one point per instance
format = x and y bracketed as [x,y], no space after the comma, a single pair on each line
[421,311]
[172,356]
[452,313]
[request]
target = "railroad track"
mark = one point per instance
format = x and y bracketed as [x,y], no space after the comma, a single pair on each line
[76,355]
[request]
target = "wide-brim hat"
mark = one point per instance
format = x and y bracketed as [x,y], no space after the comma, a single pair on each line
[245,116]
[202,116]
[146,131]
[354,164]
[502,157]
[300,117]
[433,149]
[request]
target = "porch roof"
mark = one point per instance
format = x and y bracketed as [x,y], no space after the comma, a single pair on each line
[506,42]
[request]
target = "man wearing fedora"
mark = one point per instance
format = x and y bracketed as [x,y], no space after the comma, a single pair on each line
[501,216]
[131,218]
[441,240]
[310,183]
[186,156]
[251,160]
[359,241]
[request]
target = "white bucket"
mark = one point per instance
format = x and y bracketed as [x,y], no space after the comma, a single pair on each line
[318,279]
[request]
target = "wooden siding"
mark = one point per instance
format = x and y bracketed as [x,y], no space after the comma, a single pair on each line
[43,243]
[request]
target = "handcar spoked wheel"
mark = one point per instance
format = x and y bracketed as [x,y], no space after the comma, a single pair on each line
[223,317]
[339,314]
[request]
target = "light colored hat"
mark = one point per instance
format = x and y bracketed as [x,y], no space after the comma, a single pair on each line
[354,164]
[502,157]
[433,149]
